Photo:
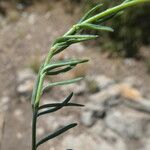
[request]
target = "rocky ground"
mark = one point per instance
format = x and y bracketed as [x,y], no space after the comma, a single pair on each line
[115,92]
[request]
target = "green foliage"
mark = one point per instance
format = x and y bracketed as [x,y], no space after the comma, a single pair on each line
[91,20]
[131,29]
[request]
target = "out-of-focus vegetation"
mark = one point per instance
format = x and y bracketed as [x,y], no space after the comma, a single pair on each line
[131,29]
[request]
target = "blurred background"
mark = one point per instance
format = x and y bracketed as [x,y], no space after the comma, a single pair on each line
[115,91]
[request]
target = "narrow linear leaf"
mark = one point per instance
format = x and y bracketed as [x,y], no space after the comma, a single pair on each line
[102,20]
[34,91]
[95,27]
[72,40]
[60,40]
[60,71]
[59,47]
[33,98]
[55,134]
[62,83]
[75,104]
[64,40]
[63,63]
[80,38]
[57,107]
[59,104]
[91,12]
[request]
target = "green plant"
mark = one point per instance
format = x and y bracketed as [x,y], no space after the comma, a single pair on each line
[131,30]
[90,20]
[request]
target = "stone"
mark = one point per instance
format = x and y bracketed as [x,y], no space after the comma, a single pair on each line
[128,123]
[102,81]
[88,142]
[98,111]
[129,92]
[25,80]
[132,81]
[25,74]
[82,141]
[26,87]
[87,118]
[4,103]
[111,93]
[129,62]
[32,19]
[100,129]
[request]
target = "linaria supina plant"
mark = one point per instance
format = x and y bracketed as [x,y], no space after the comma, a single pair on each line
[91,20]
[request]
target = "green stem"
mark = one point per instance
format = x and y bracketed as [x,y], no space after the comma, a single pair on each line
[114,9]
[49,56]
[37,101]
[39,91]
[71,31]
[41,79]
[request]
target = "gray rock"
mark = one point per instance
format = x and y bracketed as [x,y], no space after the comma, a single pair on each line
[102,81]
[132,81]
[25,80]
[128,123]
[87,118]
[25,74]
[100,129]
[89,142]
[4,103]
[32,19]
[98,111]
[129,62]
[111,93]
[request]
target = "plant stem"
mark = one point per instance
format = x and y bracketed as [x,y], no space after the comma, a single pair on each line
[114,9]
[41,79]
[34,120]
[37,101]
[71,31]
